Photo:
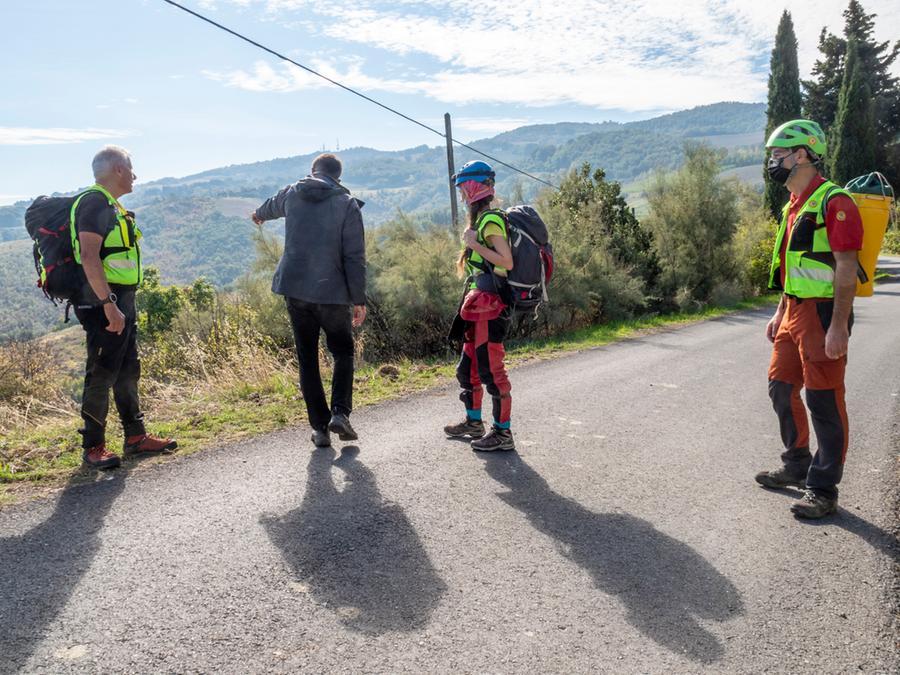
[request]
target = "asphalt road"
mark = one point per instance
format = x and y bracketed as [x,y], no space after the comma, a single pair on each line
[626,535]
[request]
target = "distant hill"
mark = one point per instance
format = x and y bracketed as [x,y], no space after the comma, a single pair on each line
[198,224]
[11,222]
[24,312]
[716,119]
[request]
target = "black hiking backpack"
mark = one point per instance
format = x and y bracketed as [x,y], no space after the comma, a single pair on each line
[47,222]
[532,257]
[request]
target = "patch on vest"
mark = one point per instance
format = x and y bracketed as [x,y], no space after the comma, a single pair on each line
[841,216]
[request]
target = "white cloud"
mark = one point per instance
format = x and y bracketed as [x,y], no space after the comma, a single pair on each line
[287,78]
[55,135]
[639,55]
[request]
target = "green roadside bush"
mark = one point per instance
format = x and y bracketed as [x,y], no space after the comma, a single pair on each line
[693,217]
[754,239]
[413,288]
[705,240]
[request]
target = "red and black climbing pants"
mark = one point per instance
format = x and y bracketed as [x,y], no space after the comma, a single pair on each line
[481,363]
[799,362]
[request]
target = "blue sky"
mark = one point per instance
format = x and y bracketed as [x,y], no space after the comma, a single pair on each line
[184,97]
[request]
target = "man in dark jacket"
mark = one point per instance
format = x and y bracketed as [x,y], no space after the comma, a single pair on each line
[322,275]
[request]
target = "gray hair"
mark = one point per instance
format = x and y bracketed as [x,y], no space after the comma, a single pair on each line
[109,158]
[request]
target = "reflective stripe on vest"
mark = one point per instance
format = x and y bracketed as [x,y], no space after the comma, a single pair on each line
[120,252]
[122,264]
[818,275]
[808,259]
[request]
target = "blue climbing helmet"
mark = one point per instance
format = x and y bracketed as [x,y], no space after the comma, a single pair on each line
[480,172]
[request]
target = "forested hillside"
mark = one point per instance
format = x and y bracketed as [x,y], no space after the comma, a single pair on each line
[198,225]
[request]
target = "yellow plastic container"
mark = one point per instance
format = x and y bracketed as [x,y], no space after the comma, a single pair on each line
[875,211]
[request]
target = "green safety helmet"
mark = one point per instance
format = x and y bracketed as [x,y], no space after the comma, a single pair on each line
[799,134]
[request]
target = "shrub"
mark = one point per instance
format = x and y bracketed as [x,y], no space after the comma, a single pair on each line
[604,259]
[693,216]
[891,243]
[413,288]
[157,305]
[754,240]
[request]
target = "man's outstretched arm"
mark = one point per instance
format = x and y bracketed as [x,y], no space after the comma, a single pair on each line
[272,208]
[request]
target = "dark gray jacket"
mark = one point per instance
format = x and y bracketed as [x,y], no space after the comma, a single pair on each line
[324,258]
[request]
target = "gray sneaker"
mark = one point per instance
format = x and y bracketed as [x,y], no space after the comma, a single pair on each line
[812,505]
[780,478]
[468,428]
[340,424]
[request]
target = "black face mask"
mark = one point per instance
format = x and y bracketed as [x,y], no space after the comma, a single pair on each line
[776,170]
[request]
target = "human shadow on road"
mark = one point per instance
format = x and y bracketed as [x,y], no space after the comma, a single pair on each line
[870,533]
[879,539]
[356,552]
[40,569]
[665,586]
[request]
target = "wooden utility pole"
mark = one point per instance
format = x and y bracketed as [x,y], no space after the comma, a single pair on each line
[451,170]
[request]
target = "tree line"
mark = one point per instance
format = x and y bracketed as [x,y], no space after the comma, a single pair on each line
[851,93]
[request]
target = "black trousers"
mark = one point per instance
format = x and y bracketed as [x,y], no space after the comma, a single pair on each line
[112,363]
[307,320]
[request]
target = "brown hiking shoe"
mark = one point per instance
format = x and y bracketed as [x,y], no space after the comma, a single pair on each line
[468,428]
[812,505]
[780,478]
[99,457]
[147,444]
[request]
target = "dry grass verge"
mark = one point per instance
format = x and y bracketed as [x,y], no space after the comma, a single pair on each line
[221,394]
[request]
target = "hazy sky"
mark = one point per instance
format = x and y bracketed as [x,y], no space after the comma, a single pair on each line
[184,97]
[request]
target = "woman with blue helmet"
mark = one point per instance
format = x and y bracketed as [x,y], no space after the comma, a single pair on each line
[485,261]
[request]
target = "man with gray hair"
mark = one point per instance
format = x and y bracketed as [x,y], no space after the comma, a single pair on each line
[322,275]
[105,243]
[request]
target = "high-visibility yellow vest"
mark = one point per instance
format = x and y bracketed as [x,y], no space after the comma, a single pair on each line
[808,259]
[120,252]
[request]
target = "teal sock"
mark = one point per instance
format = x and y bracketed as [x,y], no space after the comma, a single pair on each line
[501,425]
[473,414]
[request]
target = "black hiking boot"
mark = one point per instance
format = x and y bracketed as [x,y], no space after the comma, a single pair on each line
[340,424]
[497,439]
[780,478]
[812,505]
[468,428]
[320,438]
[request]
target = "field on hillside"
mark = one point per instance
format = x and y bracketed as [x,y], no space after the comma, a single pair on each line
[751,175]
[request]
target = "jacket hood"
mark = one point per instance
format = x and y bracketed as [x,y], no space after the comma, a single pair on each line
[315,189]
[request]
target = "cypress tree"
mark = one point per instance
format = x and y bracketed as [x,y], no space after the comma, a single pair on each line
[784,99]
[821,94]
[852,138]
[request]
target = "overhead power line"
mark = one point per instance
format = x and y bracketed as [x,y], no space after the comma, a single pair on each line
[355,92]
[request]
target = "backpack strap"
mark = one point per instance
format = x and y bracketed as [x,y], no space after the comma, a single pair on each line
[823,208]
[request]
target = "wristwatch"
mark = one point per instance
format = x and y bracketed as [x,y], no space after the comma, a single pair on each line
[111,298]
